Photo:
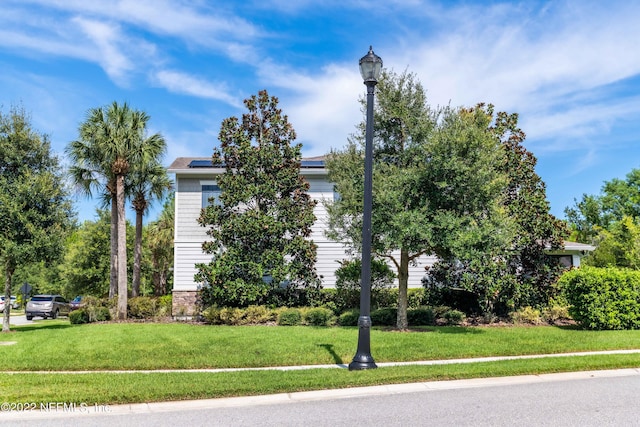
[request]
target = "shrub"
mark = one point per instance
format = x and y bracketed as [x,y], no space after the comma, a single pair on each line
[231,316]
[415,297]
[528,315]
[94,310]
[347,294]
[318,316]
[349,318]
[603,298]
[211,315]
[258,314]
[454,317]
[165,304]
[100,314]
[384,316]
[290,317]
[78,317]
[555,313]
[142,307]
[422,316]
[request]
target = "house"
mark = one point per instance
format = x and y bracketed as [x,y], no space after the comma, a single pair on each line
[195,183]
[572,253]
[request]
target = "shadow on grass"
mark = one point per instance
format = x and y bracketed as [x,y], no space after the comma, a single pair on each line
[459,330]
[436,329]
[39,326]
[336,357]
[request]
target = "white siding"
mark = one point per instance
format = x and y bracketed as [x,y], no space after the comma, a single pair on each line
[189,235]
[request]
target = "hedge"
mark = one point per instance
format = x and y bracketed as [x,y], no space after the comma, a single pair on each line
[603,298]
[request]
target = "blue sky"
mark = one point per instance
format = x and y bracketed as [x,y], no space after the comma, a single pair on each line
[570,69]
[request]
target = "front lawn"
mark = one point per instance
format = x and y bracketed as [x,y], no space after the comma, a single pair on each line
[57,345]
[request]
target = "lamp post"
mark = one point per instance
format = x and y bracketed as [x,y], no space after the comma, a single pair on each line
[370,66]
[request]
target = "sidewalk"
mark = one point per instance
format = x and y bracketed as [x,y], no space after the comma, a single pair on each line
[341,365]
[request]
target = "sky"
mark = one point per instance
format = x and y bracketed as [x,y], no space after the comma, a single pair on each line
[570,69]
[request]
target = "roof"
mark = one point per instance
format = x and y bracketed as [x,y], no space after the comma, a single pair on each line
[193,165]
[575,246]
[572,247]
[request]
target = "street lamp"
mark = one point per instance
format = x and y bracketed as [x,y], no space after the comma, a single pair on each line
[370,66]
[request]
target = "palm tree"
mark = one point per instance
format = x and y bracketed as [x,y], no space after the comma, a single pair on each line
[111,143]
[148,181]
[90,171]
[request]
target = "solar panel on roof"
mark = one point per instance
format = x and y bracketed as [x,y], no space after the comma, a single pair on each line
[304,164]
[312,164]
[200,164]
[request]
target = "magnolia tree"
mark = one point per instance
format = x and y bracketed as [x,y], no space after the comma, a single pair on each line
[261,223]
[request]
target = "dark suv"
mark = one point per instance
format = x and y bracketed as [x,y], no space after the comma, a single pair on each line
[47,306]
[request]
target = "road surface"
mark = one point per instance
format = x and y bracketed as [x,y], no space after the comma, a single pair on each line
[597,398]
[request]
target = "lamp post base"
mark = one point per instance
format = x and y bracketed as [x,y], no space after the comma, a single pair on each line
[363,359]
[362,364]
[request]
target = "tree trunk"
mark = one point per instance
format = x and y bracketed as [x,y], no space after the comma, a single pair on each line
[7,300]
[403,284]
[113,281]
[137,256]
[122,249]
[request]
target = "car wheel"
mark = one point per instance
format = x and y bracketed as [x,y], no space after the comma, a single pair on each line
[55,314]
[29,317]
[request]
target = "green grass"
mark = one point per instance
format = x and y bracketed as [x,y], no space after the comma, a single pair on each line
[57,345]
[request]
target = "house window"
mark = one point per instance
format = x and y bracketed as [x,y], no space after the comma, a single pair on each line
[210,195]
[565,260]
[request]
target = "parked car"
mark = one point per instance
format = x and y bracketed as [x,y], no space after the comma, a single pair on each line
[14,303]
[47,306]
[76,303]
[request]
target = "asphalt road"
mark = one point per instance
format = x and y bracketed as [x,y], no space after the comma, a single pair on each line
[598,398]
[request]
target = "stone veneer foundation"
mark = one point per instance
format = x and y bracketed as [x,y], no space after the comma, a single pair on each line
[184,304]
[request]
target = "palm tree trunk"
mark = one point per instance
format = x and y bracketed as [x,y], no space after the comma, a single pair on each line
[137,255]
[122,250]
[113,280]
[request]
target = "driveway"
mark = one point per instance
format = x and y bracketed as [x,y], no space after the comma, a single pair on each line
[19,319]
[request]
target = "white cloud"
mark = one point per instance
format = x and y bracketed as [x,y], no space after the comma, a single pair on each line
[108,41]
[187,84]
[187,20]
[553,66]
[323,109]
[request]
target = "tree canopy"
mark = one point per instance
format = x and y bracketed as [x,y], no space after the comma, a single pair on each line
[436,188]
[618,198]
[35,211]
[261,222]
[112,144]
[452,182]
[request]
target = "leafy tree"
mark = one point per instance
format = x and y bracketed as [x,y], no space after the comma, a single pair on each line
[436,186]
[160,243]
[537,230]
[618,198]
[35,211]
[617,247]
[148,181]
[111,142]
[261,224]
[85,269]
